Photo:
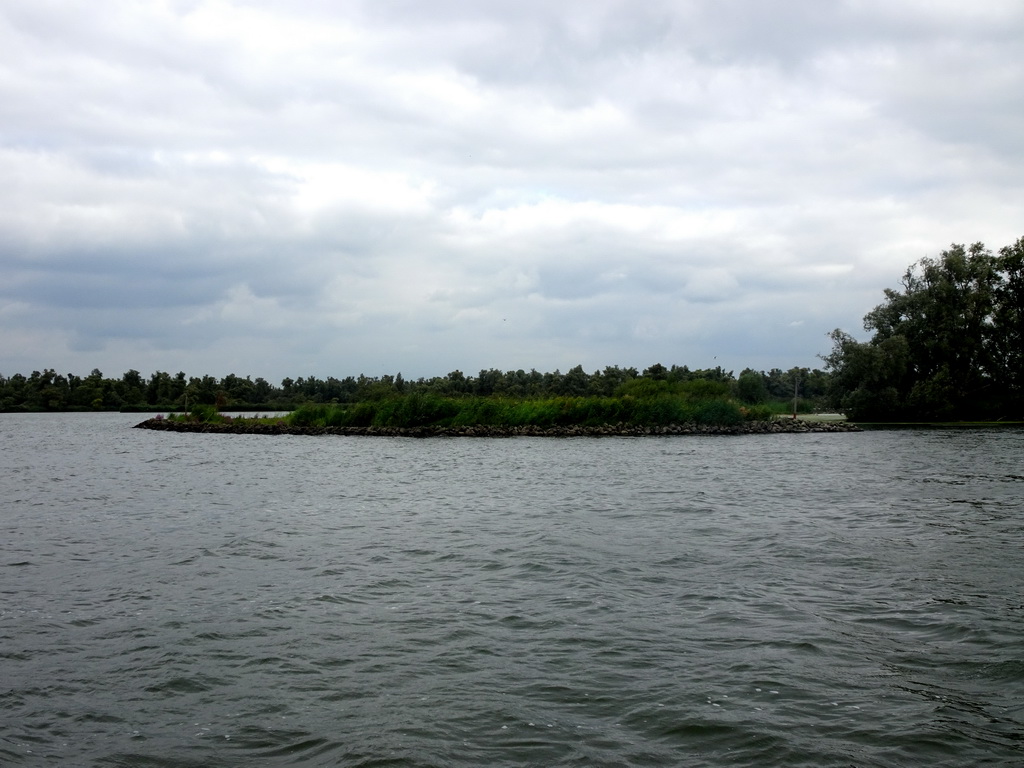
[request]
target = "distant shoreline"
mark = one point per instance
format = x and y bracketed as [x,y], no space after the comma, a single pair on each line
[244,427]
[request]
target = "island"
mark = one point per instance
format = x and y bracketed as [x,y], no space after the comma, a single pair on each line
[417,415]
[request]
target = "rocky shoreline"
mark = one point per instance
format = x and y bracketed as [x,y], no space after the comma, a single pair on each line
[249,427]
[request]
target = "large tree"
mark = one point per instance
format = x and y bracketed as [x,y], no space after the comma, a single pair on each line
[1008,324]
[943,344]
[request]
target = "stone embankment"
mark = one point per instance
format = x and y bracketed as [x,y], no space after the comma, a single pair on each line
[251,427]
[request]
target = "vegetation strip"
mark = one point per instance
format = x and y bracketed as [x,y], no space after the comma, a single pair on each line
[948,345]
[257,427]
[50,391]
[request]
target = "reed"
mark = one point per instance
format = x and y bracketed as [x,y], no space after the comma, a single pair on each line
[659,407]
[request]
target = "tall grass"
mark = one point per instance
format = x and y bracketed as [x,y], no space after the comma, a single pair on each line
[200,412]
[659,407]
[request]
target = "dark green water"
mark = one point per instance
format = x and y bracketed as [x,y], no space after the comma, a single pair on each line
[173,600]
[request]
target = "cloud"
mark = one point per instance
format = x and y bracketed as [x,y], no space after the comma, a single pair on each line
[299,188]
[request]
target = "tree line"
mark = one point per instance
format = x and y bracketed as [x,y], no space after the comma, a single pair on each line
[947,345]
[51,391]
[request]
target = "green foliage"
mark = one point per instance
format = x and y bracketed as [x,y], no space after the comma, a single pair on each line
[661,410]
[412,410]
[608,396]
[416,410]
[947,345]
[205,414]
[643,388]
[717,412]
[867,377]
[703,389]
[750,387]
[309,414]
[1008,325]
[762,412]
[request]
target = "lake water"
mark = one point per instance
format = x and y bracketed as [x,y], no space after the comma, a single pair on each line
[175,600]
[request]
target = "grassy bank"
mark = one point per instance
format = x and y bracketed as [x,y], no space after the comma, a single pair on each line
[425,410]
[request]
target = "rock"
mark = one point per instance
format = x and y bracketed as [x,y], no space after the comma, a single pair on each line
[250,427]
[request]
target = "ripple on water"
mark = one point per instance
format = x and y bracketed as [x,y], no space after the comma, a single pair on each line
[173,600]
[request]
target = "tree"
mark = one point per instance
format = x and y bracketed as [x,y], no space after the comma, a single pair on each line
[131,388]
[944,312]
[456,382]
[750,387]
[946,345]
[487,381]
[261,390]
[160,389]
[202,390]
[1007,349]
[575,383]
[658,372]
[867,381]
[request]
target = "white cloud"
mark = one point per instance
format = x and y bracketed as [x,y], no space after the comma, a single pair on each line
[330,189]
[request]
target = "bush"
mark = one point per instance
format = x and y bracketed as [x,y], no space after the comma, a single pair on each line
[717,412]
[760,412]
[308,415]
[661,411]
[417,410]
[702,389]
[359,415]
[642,388]
[205,414]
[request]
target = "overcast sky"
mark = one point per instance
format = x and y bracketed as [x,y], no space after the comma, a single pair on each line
[315,187]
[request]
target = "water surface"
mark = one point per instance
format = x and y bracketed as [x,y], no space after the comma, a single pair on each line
[177,600]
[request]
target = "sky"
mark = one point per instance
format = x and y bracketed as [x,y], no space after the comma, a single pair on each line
[286,188]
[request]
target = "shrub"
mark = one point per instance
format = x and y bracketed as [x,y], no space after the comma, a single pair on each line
[642,388]
[308,415]
[359,415]
[702,389]
[205,414]
[717,412]
[760,412]
[416,410]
